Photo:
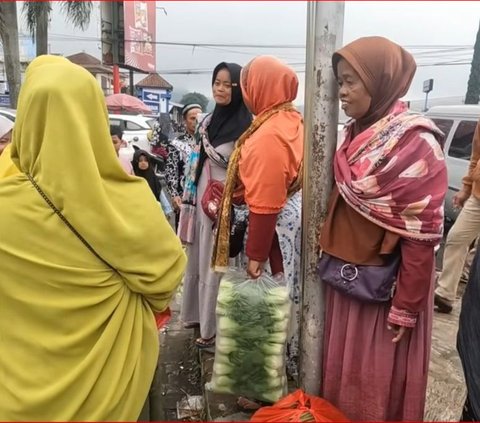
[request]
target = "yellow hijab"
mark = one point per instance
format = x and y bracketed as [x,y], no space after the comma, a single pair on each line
[78,340]
[7,168]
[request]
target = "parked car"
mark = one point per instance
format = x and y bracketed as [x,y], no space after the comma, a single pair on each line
[8,113]
[458,123]
[136,129]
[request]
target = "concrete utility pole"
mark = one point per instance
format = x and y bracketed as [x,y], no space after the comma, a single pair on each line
[324,36]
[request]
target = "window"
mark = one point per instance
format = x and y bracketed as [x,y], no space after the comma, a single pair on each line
[461,147]
[132,126]
[116,122]
[151,123]
[444,125]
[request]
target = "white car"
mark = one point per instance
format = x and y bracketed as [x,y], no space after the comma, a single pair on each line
[8,113]
[136,129]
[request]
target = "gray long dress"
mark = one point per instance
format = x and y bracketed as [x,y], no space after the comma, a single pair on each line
[201,284]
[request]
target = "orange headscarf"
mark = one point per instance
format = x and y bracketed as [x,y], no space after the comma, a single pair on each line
[384,67]
[271,157]
[267,158]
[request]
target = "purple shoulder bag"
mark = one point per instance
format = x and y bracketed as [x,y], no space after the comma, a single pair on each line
[371,284]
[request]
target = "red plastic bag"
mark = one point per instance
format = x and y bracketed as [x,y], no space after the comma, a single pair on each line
[299,407]
[162,318]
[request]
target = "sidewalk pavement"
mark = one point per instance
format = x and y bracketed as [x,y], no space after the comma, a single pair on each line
[185,370]
[178,371]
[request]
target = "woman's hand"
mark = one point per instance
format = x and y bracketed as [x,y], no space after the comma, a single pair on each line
[255,269]
[399,332]
[177,203]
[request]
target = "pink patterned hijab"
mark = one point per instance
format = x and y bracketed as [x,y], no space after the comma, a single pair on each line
[392,171]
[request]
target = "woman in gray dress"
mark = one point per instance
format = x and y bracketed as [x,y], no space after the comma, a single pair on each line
[216,136]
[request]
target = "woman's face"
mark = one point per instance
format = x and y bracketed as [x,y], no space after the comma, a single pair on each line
[143,163]
[353,94]
[222,88]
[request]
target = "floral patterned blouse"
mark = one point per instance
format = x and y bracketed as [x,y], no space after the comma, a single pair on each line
[178,153]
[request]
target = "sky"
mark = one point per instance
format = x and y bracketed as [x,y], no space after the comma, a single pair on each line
[426,29]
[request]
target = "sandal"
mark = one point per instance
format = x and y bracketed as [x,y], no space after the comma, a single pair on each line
[205,343]
[246,404]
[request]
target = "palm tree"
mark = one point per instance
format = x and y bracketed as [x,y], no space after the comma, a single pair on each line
[9,37]
[473,90]
[37,14]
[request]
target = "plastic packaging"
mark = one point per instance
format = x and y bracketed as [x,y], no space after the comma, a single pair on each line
[252,322]
[165,204]
[300,407]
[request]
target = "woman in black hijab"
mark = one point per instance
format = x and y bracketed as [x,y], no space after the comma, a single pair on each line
[216,136]
[228,120]
[142,166]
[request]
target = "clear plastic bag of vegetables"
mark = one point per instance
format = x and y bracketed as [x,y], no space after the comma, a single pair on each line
[252,325]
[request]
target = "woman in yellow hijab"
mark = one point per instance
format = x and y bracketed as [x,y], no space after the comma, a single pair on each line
[78,340]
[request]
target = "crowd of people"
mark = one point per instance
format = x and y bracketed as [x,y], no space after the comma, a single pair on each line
[89,260]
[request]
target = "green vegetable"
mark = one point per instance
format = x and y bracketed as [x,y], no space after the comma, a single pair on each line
[226,324]
[273,362]
[280,326]
[273,349]
[221,369]
[252,324]
[273,395]
[277,338]
[277,296]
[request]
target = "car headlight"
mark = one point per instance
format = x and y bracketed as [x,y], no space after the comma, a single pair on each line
[150,135]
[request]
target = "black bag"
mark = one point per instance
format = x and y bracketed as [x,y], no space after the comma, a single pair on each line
[238,228]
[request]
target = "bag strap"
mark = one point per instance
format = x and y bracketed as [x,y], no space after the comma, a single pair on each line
[67,223]
[209,169]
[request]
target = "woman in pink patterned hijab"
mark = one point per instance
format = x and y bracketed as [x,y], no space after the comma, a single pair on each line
[387,203]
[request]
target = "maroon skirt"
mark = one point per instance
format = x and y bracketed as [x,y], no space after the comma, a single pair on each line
[365,375]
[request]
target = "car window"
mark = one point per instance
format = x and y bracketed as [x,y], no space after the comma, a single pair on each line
[444,125]
[151,123]
[116,122]
[132,126]
[461,147]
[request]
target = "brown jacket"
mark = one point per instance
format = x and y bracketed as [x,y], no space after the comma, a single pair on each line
[471,182]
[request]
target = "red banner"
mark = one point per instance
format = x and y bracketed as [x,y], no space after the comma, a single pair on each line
[140,30]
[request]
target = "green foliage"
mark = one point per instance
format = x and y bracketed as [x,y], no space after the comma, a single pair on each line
[473,91]
[76,12]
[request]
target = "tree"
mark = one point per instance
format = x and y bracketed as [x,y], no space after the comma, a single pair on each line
[197,98]
[9,37]
[37,15]
[473,90]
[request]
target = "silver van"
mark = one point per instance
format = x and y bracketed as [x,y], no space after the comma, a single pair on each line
[458,123]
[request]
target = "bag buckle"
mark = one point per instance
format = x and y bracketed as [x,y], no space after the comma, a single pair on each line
[349,272]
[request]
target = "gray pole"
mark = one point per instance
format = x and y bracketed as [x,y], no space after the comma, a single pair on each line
[324,36]
[425,109]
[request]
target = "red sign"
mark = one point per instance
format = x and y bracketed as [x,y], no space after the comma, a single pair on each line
[140,29]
